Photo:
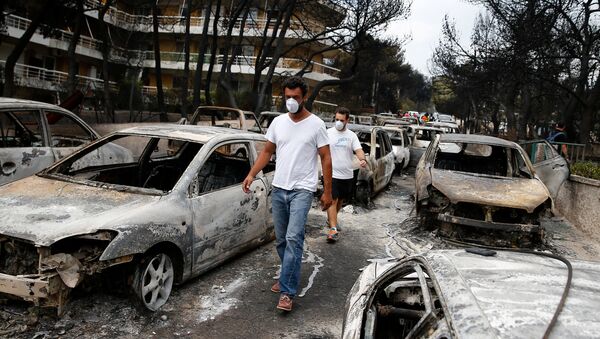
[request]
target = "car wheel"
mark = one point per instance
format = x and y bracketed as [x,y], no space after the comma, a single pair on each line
[363,193]
[153,280]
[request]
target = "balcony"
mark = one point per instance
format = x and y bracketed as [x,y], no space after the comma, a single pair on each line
[176,24]
[52,80]
[243,64]
[91,47]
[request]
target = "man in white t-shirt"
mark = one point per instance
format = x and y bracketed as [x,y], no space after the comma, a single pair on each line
[343,143]
[299,137]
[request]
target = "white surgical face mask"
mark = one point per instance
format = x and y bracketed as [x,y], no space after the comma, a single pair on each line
[292,105]
[339,125]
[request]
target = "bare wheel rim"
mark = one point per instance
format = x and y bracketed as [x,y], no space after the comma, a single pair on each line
[157,281]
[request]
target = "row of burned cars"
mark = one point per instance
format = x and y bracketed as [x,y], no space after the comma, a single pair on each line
[150,199]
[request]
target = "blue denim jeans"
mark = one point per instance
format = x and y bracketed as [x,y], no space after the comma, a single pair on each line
[290,210]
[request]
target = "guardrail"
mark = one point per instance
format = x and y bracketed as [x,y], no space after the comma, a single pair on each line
[575,152]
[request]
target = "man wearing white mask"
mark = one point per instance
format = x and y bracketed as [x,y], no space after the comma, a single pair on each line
[343,143]
[299,137]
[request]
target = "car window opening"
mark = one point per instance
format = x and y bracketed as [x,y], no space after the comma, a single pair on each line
[228,165]
[405,305]
[133,161]
[481,159]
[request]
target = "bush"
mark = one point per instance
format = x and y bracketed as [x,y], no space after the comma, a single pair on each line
[586,169]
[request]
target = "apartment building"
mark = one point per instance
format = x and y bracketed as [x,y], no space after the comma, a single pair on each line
[43,66]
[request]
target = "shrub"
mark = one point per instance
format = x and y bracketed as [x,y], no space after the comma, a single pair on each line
[586,169]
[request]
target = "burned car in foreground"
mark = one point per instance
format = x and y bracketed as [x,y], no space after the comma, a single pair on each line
[461,294]
[162,213]
[481,182]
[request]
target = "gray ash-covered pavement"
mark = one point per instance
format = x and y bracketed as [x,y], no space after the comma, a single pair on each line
[235,300]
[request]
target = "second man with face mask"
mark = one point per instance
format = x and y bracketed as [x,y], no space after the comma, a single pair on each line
[343,143]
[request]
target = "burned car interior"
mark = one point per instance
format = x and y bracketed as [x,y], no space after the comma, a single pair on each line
[481,159]
[155,163]
[405,305]
[20,129]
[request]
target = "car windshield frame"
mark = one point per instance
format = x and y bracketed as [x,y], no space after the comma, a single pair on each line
[516,152]
[53,172]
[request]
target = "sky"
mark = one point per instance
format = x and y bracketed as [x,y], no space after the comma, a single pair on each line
[423,28]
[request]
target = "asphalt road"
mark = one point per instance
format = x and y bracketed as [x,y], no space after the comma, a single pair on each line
[235,301]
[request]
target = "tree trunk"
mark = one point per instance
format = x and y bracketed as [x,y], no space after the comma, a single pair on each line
[266,81]
[13,57]
[201,52]
[587,116]
[186,65]
[73,71]
[157,65]
[213,54]
[108,109]
[224,81]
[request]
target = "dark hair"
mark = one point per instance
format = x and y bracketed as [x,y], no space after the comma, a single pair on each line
[295,82]
[560,125]
[344,111]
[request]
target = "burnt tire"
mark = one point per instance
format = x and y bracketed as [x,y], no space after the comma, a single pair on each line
[363,194]
[153,280]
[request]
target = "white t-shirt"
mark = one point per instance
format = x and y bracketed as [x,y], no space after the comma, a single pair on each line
[297,151]
[342,146]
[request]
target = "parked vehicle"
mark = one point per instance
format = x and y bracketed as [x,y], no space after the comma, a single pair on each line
[162,211]
[460,294]
[446,118]
[379,154]
[484,183]
[364,120]
[420,137]
[400,145]
[224,117]
[33,135]
[266,118]
[411,120]
[447,127]
[395,122]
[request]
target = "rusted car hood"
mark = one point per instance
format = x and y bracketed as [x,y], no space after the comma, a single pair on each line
[43,211]
[492,191]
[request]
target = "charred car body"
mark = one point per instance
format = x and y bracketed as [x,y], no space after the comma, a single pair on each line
[400,145]
[161,210]
[457,294]
[421,137]
[380,158]
[481,182]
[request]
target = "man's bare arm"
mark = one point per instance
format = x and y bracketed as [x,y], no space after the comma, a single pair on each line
[263,160]
[326,164]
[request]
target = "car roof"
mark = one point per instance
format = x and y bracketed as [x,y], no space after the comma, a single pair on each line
[196,133]
[516,294]
[11,103]
[477,139]
[361,128]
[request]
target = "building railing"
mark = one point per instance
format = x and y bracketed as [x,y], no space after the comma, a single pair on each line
[38,77]
[143,23]
[123,55]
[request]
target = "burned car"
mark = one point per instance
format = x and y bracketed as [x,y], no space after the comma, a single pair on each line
[420,136]
[224,117]
[380,158]
[461,294]
[400,145]
[171,211]
[34,135]
[481,182]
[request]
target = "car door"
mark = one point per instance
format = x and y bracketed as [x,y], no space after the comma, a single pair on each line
[23,144]
[67,133]
[384,160]
[226,220]
[550,167]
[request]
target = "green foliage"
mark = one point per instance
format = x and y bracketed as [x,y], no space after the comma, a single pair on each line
[586,169]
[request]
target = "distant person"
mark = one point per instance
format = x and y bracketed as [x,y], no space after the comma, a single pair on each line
[559,135]
[299,137]
[343,143]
